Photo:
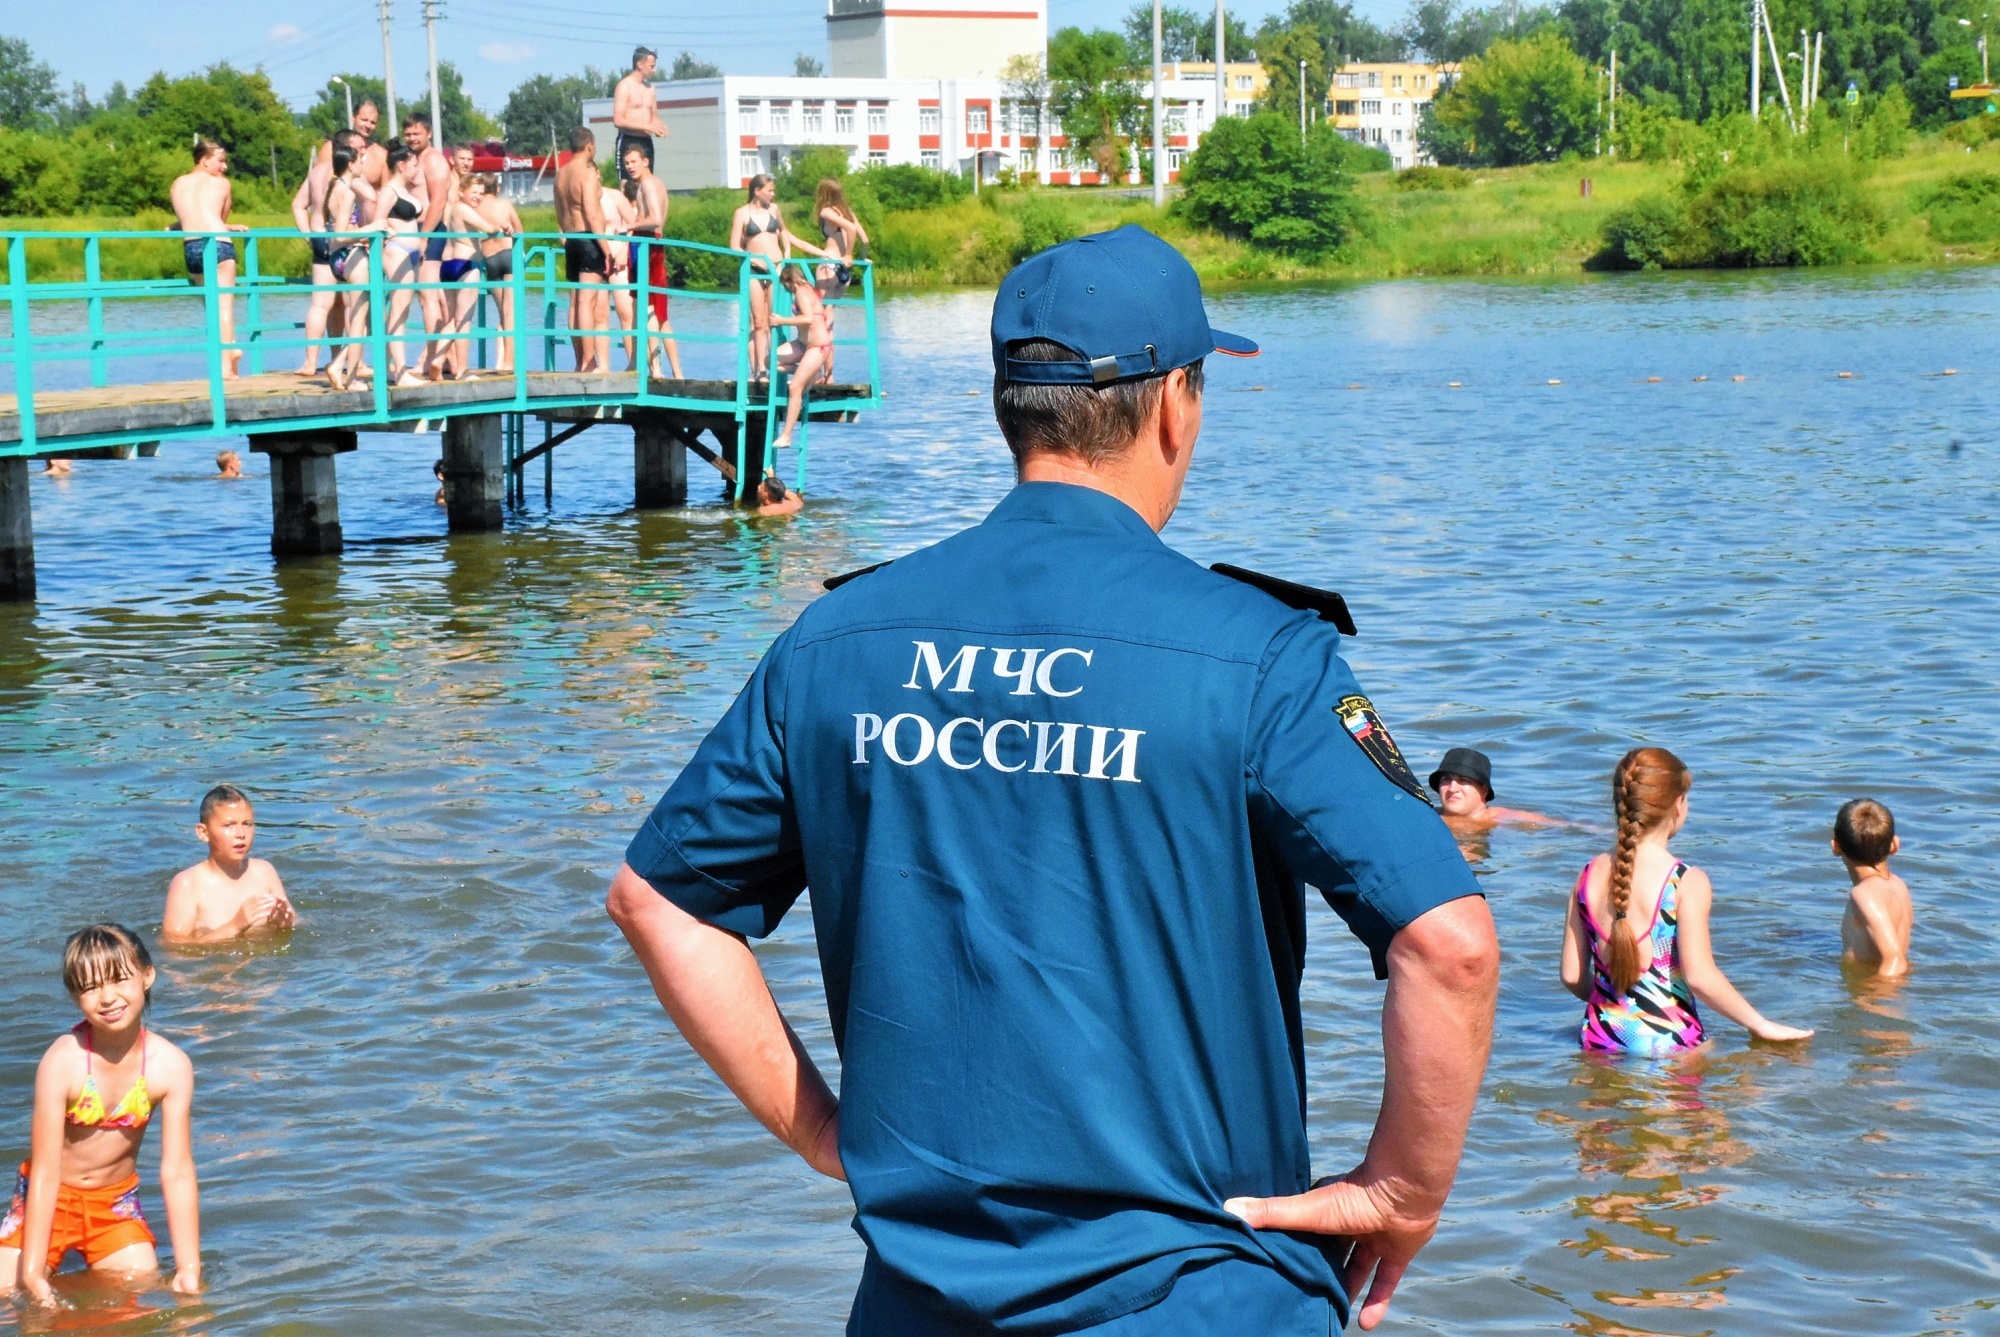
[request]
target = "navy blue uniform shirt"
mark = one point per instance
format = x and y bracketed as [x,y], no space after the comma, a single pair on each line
[1057,790]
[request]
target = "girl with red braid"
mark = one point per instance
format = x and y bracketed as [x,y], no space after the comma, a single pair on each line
[1636,946]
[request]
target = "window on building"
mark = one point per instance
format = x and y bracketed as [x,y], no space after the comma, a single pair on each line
[1396,81]
[1396,135]
[749,164]
[843,120]
[1027,160]
[932,158]
[1174,159]
[928,120]
[1346,108]
[878,120]
[746,118]
[781,118]
[1346,81]
[813,120]
[1423,81]
[1372,79]
[1398,108]
[1176,120]
[1244,82]
[1006,117]
[975,120]
[878,157]
[1371,107]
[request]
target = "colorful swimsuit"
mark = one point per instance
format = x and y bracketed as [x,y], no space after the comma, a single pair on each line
[95,1222]
[1658,1016]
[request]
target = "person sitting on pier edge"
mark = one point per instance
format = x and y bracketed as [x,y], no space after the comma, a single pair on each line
[201,201]
[1463,782]
[580,209]
[1058,791]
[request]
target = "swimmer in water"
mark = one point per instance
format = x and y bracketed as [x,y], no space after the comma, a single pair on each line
[228,894]
[774,498]
[1463,783]
[437,472]
[96,1091]
[228,464]
[56,467]
[1639,979]
[1875,930]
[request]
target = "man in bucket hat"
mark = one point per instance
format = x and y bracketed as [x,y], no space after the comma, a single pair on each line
[1057,790]
[1463,782]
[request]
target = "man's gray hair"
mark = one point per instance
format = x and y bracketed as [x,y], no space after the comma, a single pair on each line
[1093,422]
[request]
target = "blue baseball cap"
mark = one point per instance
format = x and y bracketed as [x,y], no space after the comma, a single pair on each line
[1125,302]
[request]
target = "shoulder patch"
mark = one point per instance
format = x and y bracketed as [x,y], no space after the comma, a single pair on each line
[1329,606]
[1365,727]
[835,582]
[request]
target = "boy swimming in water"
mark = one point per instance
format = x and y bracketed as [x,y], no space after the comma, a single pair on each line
[228,894]
[1875,930]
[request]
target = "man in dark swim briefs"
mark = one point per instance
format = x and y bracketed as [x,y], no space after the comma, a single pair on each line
[201,201]
[635,112]
[580,209]
[436,174]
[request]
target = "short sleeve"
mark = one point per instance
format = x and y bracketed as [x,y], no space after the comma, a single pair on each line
[1380,855]
[723,843]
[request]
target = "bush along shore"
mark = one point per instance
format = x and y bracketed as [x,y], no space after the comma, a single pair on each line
[1283,211]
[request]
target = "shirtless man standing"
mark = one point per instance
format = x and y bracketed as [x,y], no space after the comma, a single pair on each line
[435,169]
[580,209]
[635,111]
[651,221]
[201,200]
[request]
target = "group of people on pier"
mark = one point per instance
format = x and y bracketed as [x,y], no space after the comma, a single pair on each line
[441,234]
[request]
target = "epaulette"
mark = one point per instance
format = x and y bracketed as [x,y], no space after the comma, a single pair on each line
[835,582]
[1329,606]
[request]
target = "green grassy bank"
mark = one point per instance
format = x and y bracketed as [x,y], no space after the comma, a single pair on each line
[1937,203]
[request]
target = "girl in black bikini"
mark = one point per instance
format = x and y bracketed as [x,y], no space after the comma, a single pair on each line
[346,200]
[400,210]
[844,237]
[758,228]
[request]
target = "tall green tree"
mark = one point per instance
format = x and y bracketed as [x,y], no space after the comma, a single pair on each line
[1256,179]
[687,67]
[1448,31]
[543,110]
[1520,102]
[1341,34]
[1185,34]
[237,109]
[1285,54]
[1093,95]
[27,87]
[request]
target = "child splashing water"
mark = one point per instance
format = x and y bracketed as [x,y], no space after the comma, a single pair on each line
[1639,977]
[79,1189]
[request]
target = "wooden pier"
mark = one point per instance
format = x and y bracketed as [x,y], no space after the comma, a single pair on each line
[305,425]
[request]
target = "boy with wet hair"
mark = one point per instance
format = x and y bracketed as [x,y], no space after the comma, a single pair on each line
[1875,930]
[228,894]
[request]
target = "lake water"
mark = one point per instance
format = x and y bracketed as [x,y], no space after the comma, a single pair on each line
[449,1103]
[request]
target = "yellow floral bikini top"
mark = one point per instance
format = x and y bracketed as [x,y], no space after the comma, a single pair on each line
[87,1110]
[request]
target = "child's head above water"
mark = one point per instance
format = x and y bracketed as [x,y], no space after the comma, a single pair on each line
[1864,832]
[105,954]
[228,823]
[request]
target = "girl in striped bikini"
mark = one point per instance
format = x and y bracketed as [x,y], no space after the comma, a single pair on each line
[1636,946]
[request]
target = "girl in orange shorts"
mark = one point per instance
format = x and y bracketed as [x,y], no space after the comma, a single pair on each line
[97,1089]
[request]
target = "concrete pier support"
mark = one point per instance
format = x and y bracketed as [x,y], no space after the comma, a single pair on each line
[17,533]
[305,501]
[475,474]
[659,465]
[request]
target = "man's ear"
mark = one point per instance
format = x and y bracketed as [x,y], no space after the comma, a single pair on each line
[1180,411]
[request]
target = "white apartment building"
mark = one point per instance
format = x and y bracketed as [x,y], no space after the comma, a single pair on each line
[723,131]
[918,86]
[1380,103]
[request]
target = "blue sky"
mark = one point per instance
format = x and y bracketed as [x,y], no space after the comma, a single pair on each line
[496,43]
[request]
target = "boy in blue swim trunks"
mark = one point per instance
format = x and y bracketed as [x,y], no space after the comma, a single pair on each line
[201,201]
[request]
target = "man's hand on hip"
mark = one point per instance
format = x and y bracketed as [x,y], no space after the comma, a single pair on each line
[1386,1229]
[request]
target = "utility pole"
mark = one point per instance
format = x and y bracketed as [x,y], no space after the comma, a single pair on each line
[1778,68]
[388,71]
[1302,96]
[1756,59]
[348,94]
[1159,144]
[1221,88]
[1613,132]
[431,41]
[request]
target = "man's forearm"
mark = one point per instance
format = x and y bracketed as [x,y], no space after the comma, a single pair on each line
[1437,1030]
[710,984]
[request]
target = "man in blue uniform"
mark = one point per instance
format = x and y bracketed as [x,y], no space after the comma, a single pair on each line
[1057,791]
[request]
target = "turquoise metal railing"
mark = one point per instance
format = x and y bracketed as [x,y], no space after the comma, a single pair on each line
[98,334]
